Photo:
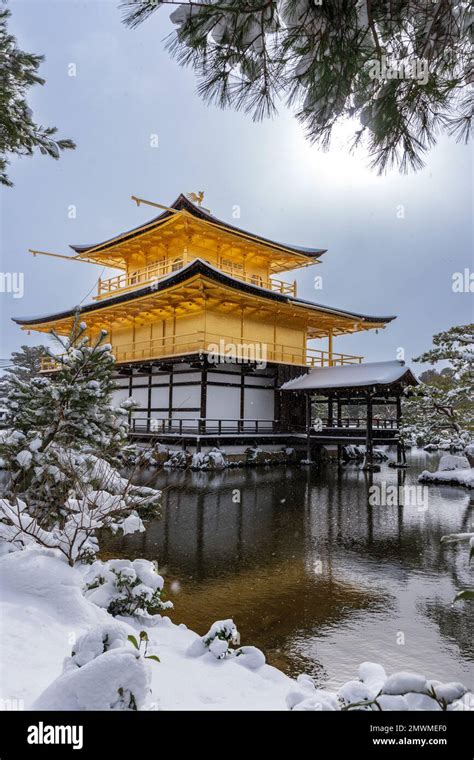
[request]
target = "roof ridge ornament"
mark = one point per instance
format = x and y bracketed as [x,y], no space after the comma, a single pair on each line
[197,198]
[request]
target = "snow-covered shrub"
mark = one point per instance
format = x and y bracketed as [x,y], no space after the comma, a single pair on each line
[178,460]
[126,588]
[215,459]
[255,455]
[217,640]
[469,450]
[76,537]
[439,410]
[357,453]
[373,690]
[106,671]
[250,657]
[130,455]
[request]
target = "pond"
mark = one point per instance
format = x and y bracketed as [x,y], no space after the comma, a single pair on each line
[311,571]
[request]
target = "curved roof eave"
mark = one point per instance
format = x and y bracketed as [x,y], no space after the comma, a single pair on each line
[183,204]
[198,266]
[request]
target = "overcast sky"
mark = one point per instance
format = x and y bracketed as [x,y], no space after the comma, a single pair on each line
[127,89]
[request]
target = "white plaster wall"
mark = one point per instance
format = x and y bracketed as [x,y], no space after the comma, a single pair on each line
[186,396]
[223,403]
[258,404]
[160,396]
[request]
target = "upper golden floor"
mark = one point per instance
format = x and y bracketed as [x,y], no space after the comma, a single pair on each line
[158,270]
[184,232]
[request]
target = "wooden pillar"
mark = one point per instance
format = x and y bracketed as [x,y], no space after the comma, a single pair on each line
[339,412]
[308,426]
[170,391]
[203,405]
[242,392]
[330,412]
[401,455]
[331,363]
[369,447]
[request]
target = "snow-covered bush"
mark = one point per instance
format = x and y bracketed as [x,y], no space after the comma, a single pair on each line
[357,453]
[126,588]
[439,410]
[220,635]
[106,671]
[178,460]
[255,455]
[214,459]
[217,642]
[76,537]
[373,690]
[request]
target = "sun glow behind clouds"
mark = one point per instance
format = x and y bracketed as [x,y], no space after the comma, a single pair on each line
[336,166]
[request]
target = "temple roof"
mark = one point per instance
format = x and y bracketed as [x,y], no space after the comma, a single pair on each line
[353,376]
[183,204]
[200,267]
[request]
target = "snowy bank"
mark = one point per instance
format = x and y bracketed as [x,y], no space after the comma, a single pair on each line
[453,470]
[61,650]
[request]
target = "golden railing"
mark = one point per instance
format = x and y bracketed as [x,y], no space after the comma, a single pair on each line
[232,348]
[223,347]
[156,272]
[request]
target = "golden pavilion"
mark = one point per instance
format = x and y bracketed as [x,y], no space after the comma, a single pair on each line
[203,330]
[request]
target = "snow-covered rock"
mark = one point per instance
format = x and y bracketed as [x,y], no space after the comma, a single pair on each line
[401,683]
[453,462]
[464,477]
[373,676]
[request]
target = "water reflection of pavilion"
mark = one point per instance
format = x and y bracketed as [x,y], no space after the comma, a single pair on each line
[290,554]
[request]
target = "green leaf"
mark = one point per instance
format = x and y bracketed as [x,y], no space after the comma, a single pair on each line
[133,640]
[466,593]
[152,657]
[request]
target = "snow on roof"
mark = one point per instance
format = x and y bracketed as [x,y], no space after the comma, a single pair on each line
[353,375]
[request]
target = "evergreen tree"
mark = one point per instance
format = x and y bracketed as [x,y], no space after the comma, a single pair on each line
[403,69]
[62,431]
[19,133]
[441,407]
[25,364]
